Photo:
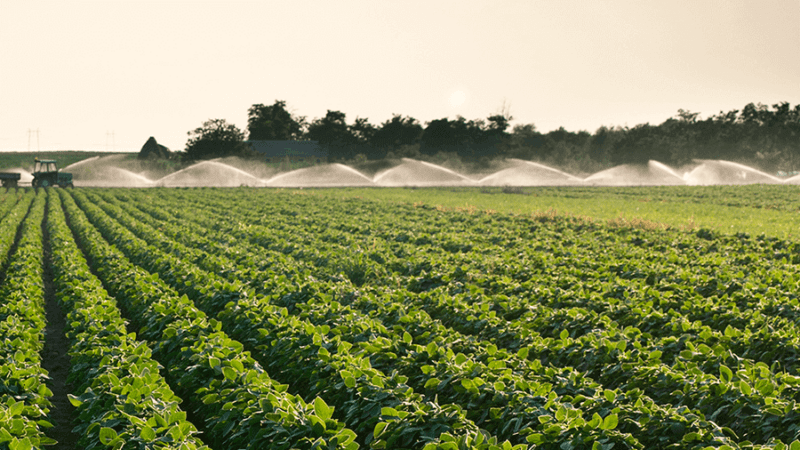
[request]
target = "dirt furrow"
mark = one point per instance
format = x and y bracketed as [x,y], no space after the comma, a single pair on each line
[55,358]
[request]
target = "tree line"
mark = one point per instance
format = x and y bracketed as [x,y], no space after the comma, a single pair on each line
[768,137]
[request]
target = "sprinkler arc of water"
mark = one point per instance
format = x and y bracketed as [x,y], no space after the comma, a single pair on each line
[715,172]
[209,173]
[409,172]
[323,175]
[412,172]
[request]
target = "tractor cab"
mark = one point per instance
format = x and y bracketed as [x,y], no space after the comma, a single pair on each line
[44,166]
[45,173]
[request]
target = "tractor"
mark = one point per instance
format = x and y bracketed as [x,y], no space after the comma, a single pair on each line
[46,173]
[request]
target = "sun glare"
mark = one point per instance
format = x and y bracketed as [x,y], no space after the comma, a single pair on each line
[457,98]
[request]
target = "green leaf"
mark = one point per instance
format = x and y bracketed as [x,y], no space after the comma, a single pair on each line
[344,347]
[795,445]
[389,412]
[322,410]
[76,402]
[345,437]
[147,434]
[745,388]
[237,365]
[407,337]
[693,436]
[433,382]
[229,373]
[5,436]
[564,334]
[16,408]
[545,419]
[431,349]
[379,427]
[561,414]
[535,438]
[23,444]
[725,374]
[350,382]
[610,422]
[318,425]
[107,435]
[596,421]
[522,353]
[610,395]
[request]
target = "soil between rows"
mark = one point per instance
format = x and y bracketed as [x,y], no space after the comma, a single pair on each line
[55,358]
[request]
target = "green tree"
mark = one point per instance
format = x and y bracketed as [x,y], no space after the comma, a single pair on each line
[525,142]
[687,116]
[333,133]
[362,131]
[600,144]
[457,136]
[273,122]
[214,139]
[395,133]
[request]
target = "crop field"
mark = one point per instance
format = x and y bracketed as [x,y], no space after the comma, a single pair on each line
[342,319]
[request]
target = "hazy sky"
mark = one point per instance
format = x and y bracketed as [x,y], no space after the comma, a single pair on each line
[80,70]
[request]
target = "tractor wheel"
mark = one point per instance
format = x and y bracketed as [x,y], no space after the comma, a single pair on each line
[44,183]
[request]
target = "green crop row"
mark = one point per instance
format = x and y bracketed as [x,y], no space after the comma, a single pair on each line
[24,396]
[121,399]
[775,416]
[204,365]
[364,401]
[8,200]
[275,355]
[767,429]
[502,419]
[308,257]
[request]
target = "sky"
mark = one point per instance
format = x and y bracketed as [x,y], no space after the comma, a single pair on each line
[106,75]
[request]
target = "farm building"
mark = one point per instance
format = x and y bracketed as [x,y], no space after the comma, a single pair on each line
[290,151]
